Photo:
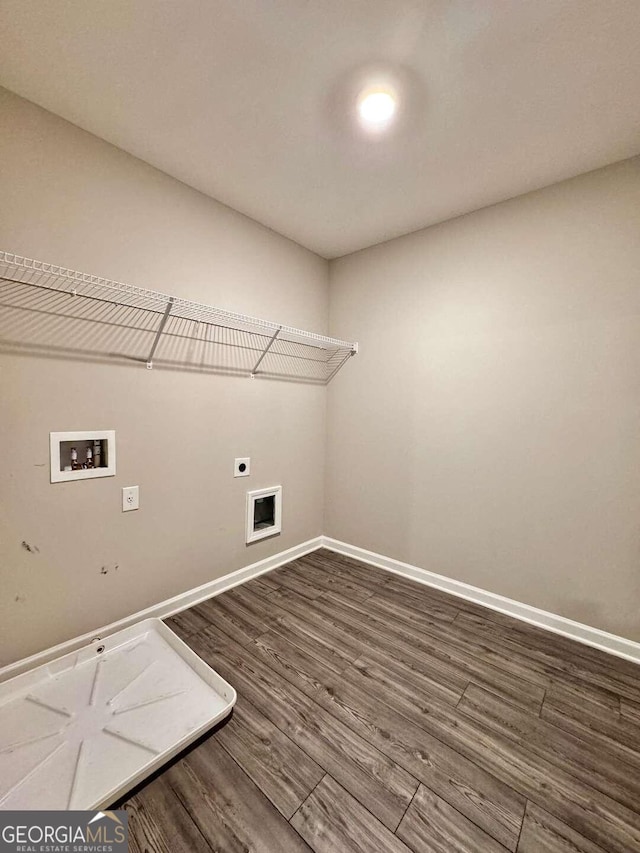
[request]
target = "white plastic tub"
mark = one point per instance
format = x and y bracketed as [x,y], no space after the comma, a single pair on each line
[80,731]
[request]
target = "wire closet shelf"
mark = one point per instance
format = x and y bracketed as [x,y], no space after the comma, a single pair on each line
[49,306]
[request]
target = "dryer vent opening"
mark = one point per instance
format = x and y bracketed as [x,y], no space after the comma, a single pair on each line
[264,513]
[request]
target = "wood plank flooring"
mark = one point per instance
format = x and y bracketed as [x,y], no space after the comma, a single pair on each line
[377,714]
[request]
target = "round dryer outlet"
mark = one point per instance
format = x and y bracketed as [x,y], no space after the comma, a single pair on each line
[242,467]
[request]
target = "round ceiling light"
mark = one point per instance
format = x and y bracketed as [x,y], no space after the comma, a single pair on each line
[376,108]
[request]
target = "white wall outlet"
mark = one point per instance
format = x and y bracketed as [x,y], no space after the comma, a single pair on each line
[242,467]
[130,498]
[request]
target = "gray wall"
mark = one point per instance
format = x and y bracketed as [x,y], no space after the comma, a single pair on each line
[72,199]
[487,431]
[490,428]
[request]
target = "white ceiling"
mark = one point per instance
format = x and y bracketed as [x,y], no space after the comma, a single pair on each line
[251,101]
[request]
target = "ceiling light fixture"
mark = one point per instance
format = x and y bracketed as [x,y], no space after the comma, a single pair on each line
[377,108]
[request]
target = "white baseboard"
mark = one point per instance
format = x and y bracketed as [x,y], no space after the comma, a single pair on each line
[166,608]
[611,643]
[619,646]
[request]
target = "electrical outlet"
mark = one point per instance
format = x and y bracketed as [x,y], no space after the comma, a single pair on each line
[130,498]
[242,467]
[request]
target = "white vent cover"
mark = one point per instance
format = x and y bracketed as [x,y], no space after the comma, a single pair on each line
[264,513]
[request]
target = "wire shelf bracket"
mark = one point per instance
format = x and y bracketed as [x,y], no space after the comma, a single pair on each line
[61,308]
[254,372]
[156,340]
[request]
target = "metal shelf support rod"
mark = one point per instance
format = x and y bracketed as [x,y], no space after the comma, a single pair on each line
[265,351]
[156,340]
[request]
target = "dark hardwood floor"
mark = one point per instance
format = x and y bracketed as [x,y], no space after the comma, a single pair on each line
[377,714]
